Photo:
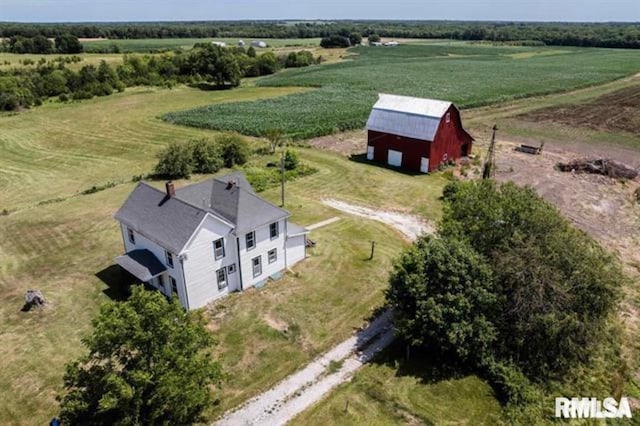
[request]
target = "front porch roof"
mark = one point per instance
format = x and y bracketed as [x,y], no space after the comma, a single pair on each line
[142,264]
[294,230]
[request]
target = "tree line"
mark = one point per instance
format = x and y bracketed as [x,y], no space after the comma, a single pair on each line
[205,66]
[618,35]
[64,43]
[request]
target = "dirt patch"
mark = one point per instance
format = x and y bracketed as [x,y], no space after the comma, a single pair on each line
[599,205]
[276,323]
[615,111]
[410,226]
[347,143]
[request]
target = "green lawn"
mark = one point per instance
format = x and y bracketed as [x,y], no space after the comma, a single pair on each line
[393,391]
[469,75]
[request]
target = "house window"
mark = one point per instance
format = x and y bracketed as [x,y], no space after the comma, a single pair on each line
[169,258]
[257,266]
[218,248]
[273,255]
[250,239]
[132,235]
[231,268]
[273,230]
[174,285]
[447,117]
[221,275]
[161,283]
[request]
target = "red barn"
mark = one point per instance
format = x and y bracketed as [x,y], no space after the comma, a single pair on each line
[415,134]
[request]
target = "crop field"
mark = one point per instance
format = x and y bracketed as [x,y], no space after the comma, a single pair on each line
[468,75]
[152,44]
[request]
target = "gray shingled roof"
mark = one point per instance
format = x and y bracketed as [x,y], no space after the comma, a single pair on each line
[171,222]
[237,204]
[142,264]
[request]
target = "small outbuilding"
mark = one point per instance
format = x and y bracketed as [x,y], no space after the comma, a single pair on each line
[259,44]
[219,43]
[415,134]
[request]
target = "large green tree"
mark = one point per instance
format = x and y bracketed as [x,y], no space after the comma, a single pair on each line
[442,295]
[555,285]
[148,362]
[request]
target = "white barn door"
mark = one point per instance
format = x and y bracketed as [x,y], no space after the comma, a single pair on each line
[370,153]
[424,165]
[394,158]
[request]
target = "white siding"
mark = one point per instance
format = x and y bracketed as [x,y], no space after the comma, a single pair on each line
[295,250]
[264,243]
[200,265]
[176,272]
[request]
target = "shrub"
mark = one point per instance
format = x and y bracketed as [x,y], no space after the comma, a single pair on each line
[206,156]
[335,41]
[234,149]
[290,160]
[175,162]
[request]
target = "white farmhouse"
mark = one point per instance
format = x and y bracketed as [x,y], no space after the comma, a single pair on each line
[202,241]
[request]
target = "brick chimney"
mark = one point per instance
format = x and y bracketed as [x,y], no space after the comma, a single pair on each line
[171,189]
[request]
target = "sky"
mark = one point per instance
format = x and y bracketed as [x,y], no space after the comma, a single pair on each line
[184,10]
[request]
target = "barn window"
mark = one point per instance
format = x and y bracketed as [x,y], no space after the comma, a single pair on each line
[447,118]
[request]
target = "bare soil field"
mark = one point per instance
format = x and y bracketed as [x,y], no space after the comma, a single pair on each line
[616,111]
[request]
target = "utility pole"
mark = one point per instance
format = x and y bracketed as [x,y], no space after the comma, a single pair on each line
[283,178]
[489,171]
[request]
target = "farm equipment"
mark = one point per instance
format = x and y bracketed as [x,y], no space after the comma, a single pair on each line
[528,149]
[309,243]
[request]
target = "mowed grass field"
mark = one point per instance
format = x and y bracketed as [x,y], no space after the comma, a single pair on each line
[59,150]
[65,247]
[469,75]
[13,60]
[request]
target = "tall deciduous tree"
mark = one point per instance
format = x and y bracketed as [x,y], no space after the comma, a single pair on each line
[442,295]
[149,362]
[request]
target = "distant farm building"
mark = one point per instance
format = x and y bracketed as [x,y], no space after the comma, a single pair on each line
[219,43]
[375,43]
[258,43]
[415,134]
[241,43]
[390,43]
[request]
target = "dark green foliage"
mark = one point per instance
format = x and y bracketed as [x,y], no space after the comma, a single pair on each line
[553,288]
[605,34]
[206,156]
[234,149]
[175,161]
[148,363]
[442,294]
[355,38]
[251,52]
[333,41]
[291,160]
[303,58]
[374,38]
[215,64]
[38,44]
[68,43]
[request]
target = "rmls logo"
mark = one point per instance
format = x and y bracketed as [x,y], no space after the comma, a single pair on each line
[592,408]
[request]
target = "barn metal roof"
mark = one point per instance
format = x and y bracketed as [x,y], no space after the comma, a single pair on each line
[407,116]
